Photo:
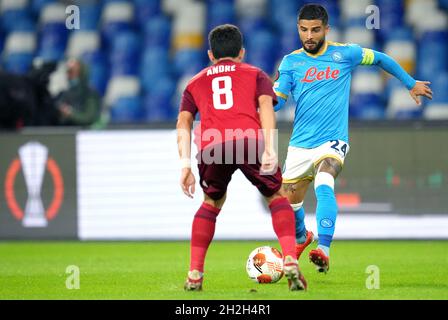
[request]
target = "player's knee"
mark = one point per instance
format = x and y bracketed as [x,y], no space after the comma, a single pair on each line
[293,194]
[276,195]
[331,166]
[215,199]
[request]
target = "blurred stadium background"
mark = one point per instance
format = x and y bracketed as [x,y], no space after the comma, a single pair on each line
[141,53]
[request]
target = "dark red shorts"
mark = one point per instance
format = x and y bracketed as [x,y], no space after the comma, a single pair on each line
[218,163]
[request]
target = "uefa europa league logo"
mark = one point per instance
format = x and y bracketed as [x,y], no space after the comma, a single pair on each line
[34,162]
[33,157]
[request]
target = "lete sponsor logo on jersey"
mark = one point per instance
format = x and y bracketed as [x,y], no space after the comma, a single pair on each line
[313,74]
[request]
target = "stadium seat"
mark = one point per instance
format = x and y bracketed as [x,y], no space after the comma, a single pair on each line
[366,106]
[261,50]
[155,64]
[157,32]
[443,4]
[360,35]
[126,109]
[38,5]
[189,26]
[335,34]
[2,40]
[116,17]
[436,111]
[289,42]
[172,7]
[53,32]
[404,52]
[353,9]
[18,63]
[19,51]
[159,104]
[367,80]
[220,12]
[402,33]
[432,53]
[7,5]
[439,88]
[146,10]
[20,42]
[251,8]
[53,41]
[82,42]
[424,15]
[14,15]
[122,86]
[182,83]
[189,61]
[287,113]
[89,16]
[392,17]
[368,112]
[125,53]
[53,13]
[282,13]
[334,12]
[412,114]
[251,25]
[402,106]
[24,24]
[98,69]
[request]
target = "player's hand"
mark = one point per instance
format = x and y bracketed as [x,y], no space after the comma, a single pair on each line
[421,88]
[269,162]
[187,182]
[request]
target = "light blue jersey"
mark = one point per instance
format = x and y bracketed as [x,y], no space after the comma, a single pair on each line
[320,86]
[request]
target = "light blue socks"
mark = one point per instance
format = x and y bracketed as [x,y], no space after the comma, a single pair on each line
[326,210]
[299,212]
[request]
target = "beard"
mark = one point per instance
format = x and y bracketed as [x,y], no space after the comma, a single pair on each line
[316,47]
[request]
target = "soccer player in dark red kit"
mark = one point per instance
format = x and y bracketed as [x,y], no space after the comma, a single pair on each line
[235,102]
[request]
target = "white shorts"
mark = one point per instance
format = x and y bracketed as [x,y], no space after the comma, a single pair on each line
[301,163]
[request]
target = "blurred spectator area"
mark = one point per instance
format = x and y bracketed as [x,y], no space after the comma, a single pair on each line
[141,53]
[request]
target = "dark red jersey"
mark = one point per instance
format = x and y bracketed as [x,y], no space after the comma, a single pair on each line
[226,97]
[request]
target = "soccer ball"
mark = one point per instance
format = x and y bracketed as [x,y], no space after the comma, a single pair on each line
[265,265]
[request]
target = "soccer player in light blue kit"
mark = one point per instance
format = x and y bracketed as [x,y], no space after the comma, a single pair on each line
[318,77]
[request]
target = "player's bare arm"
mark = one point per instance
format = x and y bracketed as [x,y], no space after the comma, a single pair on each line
[267,119]
[184,125]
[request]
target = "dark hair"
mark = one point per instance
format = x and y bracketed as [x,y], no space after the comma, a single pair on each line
[225,41]
[313,11]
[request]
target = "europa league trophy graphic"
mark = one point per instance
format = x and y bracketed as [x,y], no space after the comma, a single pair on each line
[33,157]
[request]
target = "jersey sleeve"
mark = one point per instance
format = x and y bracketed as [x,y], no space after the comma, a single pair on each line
[367,57]
[264,87]
[187,102]
[283,83]
[360,56]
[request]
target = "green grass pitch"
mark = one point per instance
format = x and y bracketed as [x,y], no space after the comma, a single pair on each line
[157,270]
